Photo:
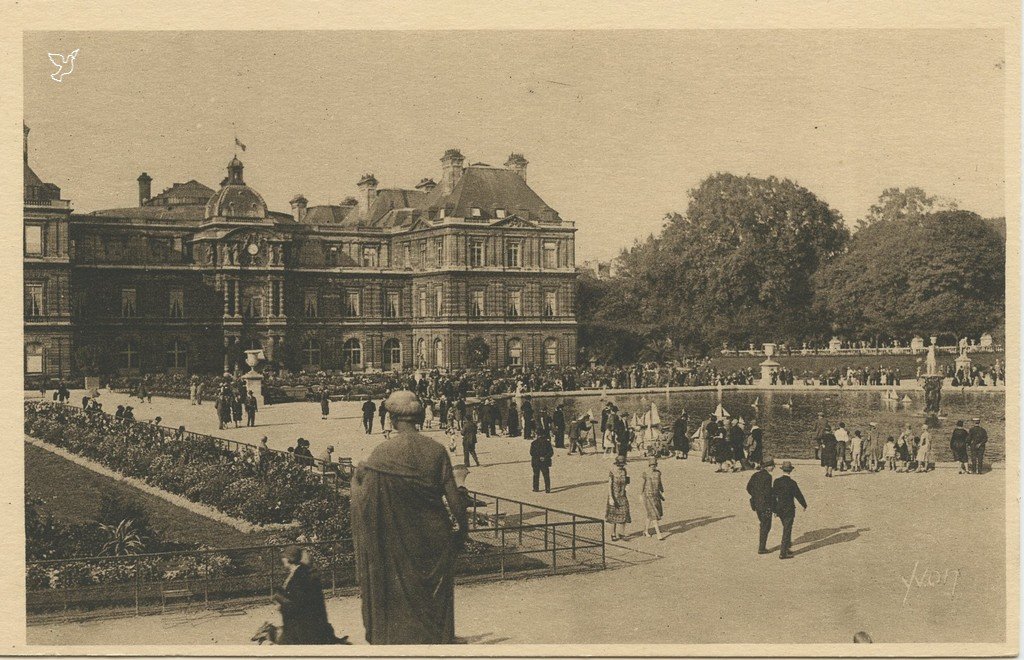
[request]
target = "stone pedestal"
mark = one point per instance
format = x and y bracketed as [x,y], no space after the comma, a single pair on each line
[932,394]
[834,345]
[768,367]
[254,383]
[963,362]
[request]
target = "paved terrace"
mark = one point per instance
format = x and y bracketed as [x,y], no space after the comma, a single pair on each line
[905,557]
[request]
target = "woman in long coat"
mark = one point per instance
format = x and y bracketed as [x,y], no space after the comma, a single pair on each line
[653,494]
[513,420]
[680,440]
[828,451]
[236,409]
[325,404]
[617,512]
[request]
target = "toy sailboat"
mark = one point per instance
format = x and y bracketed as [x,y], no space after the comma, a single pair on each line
[721,412]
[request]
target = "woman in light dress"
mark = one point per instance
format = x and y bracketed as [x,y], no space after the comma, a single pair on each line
[653,494]
[924,450]
[617,512]
[428,413]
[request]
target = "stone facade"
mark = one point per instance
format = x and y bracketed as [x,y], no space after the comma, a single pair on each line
[191,277]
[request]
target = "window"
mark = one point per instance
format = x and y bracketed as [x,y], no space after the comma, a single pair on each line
[515,353]
[476,304]
[370,257]
[176,304]
[179,246]
[392,304]
[440,214]
[129,355]
[33,300]
[550,254]
[177,356]
[550,352]
[512,254]
[499,213]
[254,307]
[392,354]
[423,254]
[550,303]
[474,212]
[515,303]
[352,307]
[438,301]
[407,255]
[438,353]
[33,240]
[128,303]
[33,358]
[352,354]
[439,247]
[423,302]
[311,354]
[332,255]
[310,309]
[476,254]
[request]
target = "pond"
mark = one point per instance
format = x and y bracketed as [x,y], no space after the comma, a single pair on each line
[788,417]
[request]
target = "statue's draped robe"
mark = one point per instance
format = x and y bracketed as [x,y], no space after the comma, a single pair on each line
[404,542]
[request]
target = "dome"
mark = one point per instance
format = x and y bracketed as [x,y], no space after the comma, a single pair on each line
[235,200]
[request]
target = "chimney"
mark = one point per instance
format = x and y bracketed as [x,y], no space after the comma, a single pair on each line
[451,170]
[299,208]
[24,145]
[368,185]
[426,185]
[144,188]
[517,163]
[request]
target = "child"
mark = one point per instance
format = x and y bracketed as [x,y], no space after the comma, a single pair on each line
[856,451]
[889,453]
[653,497]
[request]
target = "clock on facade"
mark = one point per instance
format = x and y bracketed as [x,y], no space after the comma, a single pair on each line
[253,249]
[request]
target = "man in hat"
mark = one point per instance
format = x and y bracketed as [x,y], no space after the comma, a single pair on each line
[784,492]
[369,408]
[819,433]
[301,601]
[250,409]
[759,487]
[469,441]
[408,523]
[541,452]
[977,437]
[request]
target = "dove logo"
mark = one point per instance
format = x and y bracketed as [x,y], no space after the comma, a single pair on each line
[65,65]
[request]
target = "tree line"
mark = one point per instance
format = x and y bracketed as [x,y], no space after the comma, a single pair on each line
[764,259]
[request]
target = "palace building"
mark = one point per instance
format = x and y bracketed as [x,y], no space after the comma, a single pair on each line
[188,279]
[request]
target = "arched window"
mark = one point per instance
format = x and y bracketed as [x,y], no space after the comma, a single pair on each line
[352,354]
[550,352]
[438,353]
[421,352]
[311,354]
[34,358]
[177,355]
[515,353]
[129,355]
[392,354]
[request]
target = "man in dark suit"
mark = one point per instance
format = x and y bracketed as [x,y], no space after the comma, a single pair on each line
[558,426]
[760,490]
[469,441]
[977,437]
[369,408]
[528,426]
[784,492]
[250,409]
[301,601]
[959,443]
[540,458]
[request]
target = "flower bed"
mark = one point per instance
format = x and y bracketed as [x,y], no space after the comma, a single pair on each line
[198,468]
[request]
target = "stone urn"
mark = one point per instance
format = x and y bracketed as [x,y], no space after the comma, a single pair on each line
[254,379]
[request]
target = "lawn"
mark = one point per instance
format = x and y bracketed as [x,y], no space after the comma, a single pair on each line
[72,494]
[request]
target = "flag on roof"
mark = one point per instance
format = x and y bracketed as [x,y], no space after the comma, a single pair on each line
[239,144]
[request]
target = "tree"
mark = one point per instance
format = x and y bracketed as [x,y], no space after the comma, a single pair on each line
[938,273]
[477,351]
[909,204]
[89,359]
[607,331]
[736,268]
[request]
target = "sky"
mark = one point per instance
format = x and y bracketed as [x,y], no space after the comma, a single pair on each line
[617,126]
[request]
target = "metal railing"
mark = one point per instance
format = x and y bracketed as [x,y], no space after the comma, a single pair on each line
[156,581]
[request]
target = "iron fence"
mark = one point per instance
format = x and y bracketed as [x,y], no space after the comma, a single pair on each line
[498,546]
